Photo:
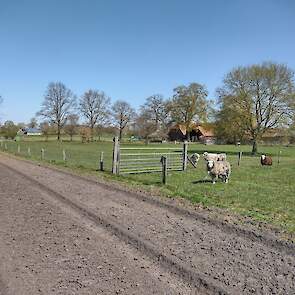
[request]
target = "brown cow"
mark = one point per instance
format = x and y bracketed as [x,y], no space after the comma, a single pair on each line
[266,160]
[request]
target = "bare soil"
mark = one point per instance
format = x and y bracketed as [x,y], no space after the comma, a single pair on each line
[63,234]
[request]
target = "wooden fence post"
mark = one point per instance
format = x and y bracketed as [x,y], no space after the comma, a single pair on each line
[279,156]
[164,169]
[5,146]
[64,155]
[1,144]
[101,162]
[29,151]
[18,149]
[42,154]
[115,155]
[184,156]
[239,158]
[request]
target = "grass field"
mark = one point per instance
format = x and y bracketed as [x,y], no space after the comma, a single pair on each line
[263,193]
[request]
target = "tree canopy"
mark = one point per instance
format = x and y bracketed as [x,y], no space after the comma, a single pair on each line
[94,107]
[57,105]
[189,103]
[258,98]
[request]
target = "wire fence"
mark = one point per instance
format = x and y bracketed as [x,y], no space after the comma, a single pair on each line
[86,156]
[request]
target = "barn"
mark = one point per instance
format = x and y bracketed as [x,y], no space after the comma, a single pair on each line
[195,133]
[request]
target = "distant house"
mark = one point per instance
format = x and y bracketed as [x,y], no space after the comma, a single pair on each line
[275,136]
[33,132]
[29,132]
[196,133]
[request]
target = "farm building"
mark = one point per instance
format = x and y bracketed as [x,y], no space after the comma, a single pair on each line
[196,133]
[29,132]
[33,132]
[275,136]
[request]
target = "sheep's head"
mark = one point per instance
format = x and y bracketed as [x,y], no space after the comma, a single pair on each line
[210,164]
[263,157]
[205,155]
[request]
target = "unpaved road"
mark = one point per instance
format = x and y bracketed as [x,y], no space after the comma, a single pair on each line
[62,234]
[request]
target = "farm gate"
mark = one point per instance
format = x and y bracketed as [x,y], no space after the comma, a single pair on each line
[131,160]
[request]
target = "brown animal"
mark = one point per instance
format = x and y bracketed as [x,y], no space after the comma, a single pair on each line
[266,160]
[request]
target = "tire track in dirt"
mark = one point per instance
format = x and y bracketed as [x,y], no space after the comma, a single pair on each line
[169,263]
[48,248]
[221,255]
[253,235]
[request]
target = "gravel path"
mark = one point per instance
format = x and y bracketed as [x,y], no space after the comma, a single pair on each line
[62,234]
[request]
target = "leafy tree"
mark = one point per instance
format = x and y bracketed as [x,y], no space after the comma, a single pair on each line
[57,105]
[229,125]
[94,106]
[86,134]
[46,129]
[260,97]
[71,125]
[122,113]
[9,129]
[145,125]
[189,103]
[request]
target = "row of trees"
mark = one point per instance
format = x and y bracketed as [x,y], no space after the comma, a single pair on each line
[61,108]
[251,101]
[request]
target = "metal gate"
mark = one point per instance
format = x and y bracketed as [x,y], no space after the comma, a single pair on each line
[131,160]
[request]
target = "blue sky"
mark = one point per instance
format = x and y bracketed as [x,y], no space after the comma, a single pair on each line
[132,49]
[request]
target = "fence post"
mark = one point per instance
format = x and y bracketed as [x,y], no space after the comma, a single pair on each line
[29,151]
[184,156]
[115,155]
[279,156]
[64,155]
[164,169]
[239,158]
[5,146]
[42,154]
[101,162]
[1,144]
[18,149]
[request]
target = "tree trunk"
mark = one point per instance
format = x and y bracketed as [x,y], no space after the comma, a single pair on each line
[91,133]
[120,134]
[254,147]
[58,132]
[71,137]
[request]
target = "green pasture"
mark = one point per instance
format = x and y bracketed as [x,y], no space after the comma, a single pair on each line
[263,193]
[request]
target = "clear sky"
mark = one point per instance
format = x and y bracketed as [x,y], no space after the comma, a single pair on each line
[132,49]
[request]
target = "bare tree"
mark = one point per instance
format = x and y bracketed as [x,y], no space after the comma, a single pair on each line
[260,96]
[122,113]
[33,123]
[94,106]
[71,125]
[156,107]
[57,105]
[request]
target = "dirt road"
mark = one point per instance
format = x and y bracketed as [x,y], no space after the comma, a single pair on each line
[62,234]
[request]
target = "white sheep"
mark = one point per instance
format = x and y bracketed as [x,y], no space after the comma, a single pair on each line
[214,157]
[219,169]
